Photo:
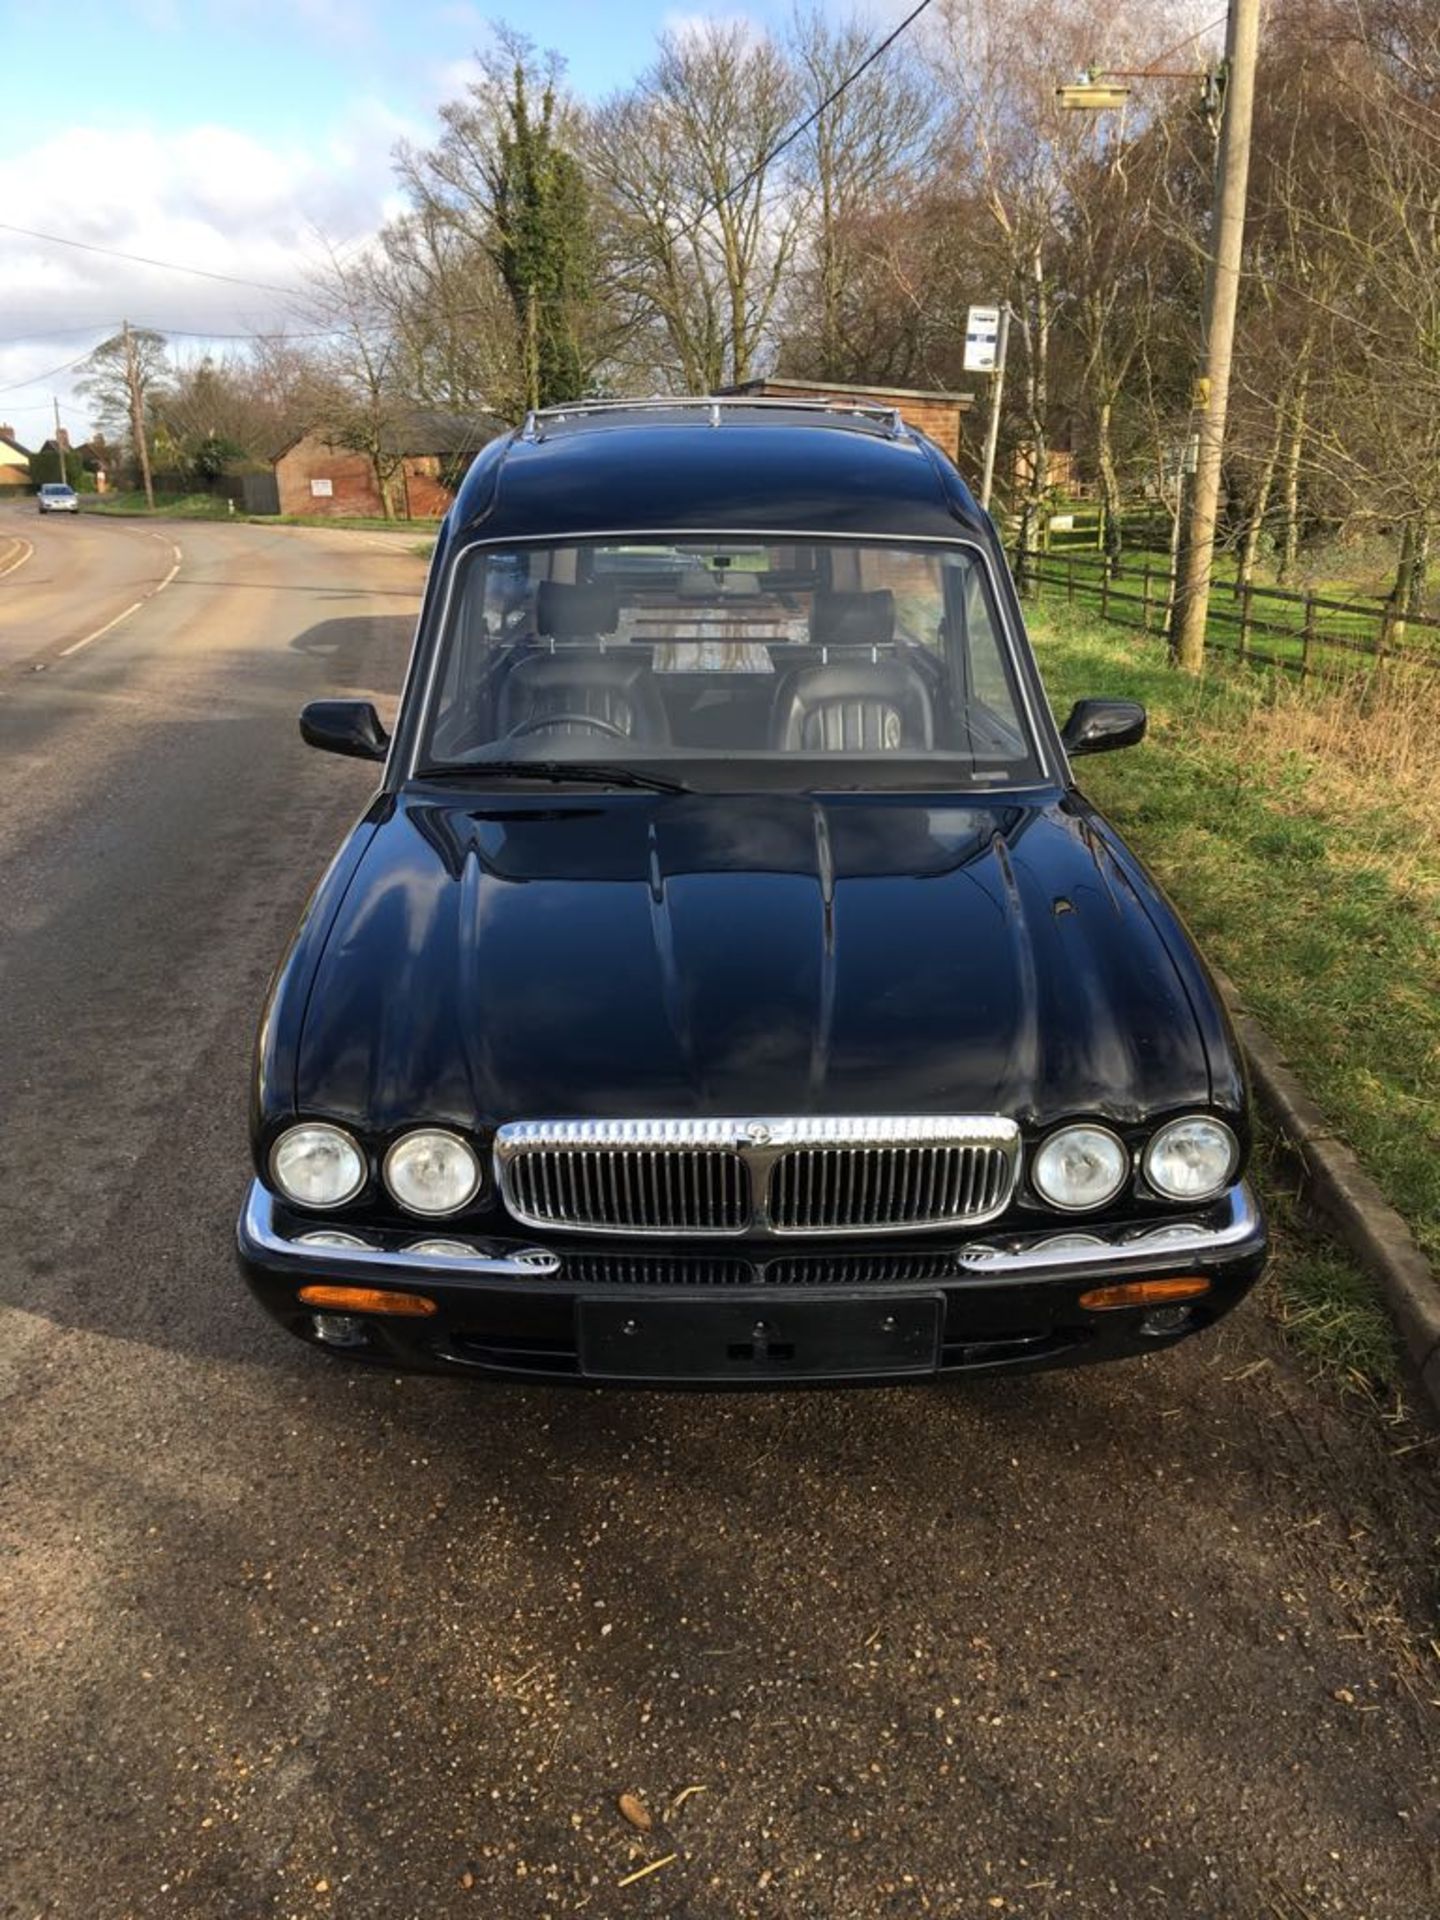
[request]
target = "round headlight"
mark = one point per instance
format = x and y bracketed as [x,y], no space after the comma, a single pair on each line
[339,1242]
[445,1249]
[432,1171]
[317,1165]
[1079,1168]
[1192,1159]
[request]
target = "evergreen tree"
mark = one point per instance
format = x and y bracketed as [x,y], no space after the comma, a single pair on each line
[542,238]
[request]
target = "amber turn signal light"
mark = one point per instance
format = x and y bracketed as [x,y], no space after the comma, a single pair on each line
[366,1300]
[1144,1293]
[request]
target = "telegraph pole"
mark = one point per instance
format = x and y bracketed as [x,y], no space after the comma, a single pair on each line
[61,475]
[1222,287]
[137,414]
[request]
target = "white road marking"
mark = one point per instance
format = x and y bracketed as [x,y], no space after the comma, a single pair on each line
[27,548]
[76,645]
[160,587]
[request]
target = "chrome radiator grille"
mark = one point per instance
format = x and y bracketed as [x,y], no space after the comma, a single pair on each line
[777,1176]
[630,1176]
[833,1189]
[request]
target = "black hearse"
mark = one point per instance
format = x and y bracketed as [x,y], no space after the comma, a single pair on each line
[727,983]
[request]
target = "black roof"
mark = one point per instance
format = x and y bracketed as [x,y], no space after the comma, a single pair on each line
[697,466]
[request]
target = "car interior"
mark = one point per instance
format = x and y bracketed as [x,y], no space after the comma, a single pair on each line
[635,652]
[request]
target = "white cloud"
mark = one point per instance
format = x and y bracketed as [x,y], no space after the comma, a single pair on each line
[206,196]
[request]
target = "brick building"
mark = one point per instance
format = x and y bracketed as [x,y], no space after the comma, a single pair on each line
[939,416]
[313,476]
[14,460]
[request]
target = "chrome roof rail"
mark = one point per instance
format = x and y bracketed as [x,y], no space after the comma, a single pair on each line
[716,407]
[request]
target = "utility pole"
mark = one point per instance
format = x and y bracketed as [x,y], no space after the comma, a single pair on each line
[137,414]
[997,391]
[1222,288]
[61,474]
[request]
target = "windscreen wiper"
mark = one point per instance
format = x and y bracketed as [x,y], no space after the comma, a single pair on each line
[587,771]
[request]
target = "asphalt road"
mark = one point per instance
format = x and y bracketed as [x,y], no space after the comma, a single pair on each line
[283,1639]
[65,577]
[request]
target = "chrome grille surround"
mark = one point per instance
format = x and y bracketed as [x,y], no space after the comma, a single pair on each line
[779,1176]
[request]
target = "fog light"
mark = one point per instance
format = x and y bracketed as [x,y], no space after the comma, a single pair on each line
[339,1329]
[1166,1320]
[1143,1293]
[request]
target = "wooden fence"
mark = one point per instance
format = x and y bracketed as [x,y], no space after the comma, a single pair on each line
[1302,633]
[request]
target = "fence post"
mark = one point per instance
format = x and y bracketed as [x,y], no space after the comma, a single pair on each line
[1307,638]
[1069,580]
[1145,603]
[1104,593]
[1387,631]
[1245,620]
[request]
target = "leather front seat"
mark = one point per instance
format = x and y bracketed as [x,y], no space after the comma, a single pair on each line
[557,692]
[854,700]
[858,706]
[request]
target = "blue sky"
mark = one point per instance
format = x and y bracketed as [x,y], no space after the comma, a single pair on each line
[233,135]
[279,67]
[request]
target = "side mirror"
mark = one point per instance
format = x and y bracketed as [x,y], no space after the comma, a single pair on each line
[1100,726]
[344,726]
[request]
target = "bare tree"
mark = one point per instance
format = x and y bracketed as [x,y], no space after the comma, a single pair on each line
[355,394]
[863,159]
[701,225]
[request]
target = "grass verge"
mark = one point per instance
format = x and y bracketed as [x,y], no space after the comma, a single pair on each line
[209,506]
[1298,831]
[1327,1307]
[183,506]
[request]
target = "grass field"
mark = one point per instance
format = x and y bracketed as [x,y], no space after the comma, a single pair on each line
[1345,623]
[1298,831]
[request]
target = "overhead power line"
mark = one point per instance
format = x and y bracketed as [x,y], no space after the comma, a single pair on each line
[49,374]
[143,260]
[877,52]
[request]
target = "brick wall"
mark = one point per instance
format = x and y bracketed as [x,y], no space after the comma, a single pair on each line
[352,483]
[937,416]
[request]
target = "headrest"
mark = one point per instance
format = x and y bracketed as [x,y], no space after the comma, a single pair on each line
[853,619]
[566,612]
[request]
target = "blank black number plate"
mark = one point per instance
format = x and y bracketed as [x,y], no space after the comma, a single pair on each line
[697,1340]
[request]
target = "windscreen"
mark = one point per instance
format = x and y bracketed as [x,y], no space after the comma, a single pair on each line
[831,662]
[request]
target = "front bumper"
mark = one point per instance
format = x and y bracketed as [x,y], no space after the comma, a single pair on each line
[675,1314]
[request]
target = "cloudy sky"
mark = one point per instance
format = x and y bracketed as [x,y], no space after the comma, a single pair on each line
[228,135]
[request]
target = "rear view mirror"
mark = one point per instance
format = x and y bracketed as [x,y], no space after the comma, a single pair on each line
[344,726]
[1100,726]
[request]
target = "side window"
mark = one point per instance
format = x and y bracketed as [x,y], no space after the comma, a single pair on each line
[987,678]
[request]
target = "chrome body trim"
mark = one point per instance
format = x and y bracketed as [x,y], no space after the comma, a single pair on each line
[1231,1225]
[1225,1225]
[493,1260]
[810,1177]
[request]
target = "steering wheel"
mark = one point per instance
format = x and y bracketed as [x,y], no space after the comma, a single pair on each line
[539,722]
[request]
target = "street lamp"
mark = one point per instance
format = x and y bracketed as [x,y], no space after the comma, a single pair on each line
[1092,93]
